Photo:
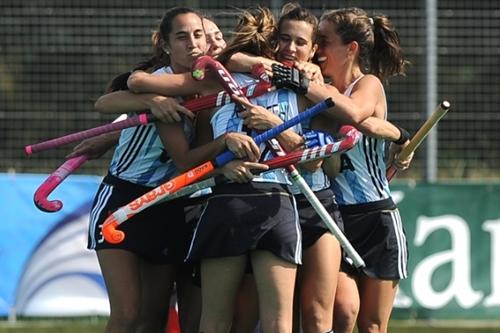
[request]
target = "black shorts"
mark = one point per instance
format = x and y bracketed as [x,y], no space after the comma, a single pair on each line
[311,223]
[158,234]
[375,230]
[239,218]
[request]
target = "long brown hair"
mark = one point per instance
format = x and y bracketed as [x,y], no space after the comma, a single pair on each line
[380,51]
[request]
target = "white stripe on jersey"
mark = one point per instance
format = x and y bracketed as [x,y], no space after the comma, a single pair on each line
[402,248]
[362,176]
[401,243]
[298,246]
[132,148]
[140,157]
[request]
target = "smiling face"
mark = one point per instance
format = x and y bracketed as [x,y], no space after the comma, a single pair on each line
[215,39]
[295,41]
[333,54]
[186,41]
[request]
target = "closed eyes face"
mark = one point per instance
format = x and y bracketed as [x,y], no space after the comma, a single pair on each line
[215,38]
[186,41]
[295,41]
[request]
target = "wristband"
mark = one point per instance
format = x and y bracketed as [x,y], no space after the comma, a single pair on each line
[404,136]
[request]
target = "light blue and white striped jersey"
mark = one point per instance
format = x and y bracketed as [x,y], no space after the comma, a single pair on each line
[282,102]
[317,180]
[362,172]
[140,157]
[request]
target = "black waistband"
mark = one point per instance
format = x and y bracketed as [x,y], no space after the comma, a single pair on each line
[369,206]
[251,187]
[124,184]
[324,193]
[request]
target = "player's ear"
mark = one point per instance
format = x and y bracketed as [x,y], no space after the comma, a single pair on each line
[313,51]
[353,47]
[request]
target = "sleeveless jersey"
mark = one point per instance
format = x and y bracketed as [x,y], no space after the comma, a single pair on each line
[140,157]
[362,172]
[282,102]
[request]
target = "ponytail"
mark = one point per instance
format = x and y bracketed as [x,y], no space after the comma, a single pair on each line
[255,33]
[387,58]
[380,51]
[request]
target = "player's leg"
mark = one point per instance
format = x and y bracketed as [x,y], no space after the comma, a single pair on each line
[319,271]
[220,282]
[377,299]
[346,308]
[275,279]
[120,270]
[188,300]
[157,281]
[247,306]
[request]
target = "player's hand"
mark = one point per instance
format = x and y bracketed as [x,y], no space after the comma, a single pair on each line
[167,109]
[257,117]
[393,158]
[94,147]
[240,171]
[242,146]
[310,71]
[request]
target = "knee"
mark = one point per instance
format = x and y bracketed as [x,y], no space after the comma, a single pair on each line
[345,314]
[366,325]
[316,319]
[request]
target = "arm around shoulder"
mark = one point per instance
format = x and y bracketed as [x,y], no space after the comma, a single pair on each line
[354,109]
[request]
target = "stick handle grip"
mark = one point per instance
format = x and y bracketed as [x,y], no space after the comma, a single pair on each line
[421,134]
[273,132]
[140,119]
[423,131]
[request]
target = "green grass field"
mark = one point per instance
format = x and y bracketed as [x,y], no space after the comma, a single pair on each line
[94,325]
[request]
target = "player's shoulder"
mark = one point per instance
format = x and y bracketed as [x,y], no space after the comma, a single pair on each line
[369,82]
[370,79]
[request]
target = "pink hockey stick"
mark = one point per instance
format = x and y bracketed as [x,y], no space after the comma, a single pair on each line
[194,105]
[140,119]
[44,190]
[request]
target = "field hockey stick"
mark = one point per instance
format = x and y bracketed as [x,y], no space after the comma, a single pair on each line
[421,134]
[109,227]
[44,190]
[194,105]
[348,141]
[140,119]
[222,98]
[40,198]
[231,86]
